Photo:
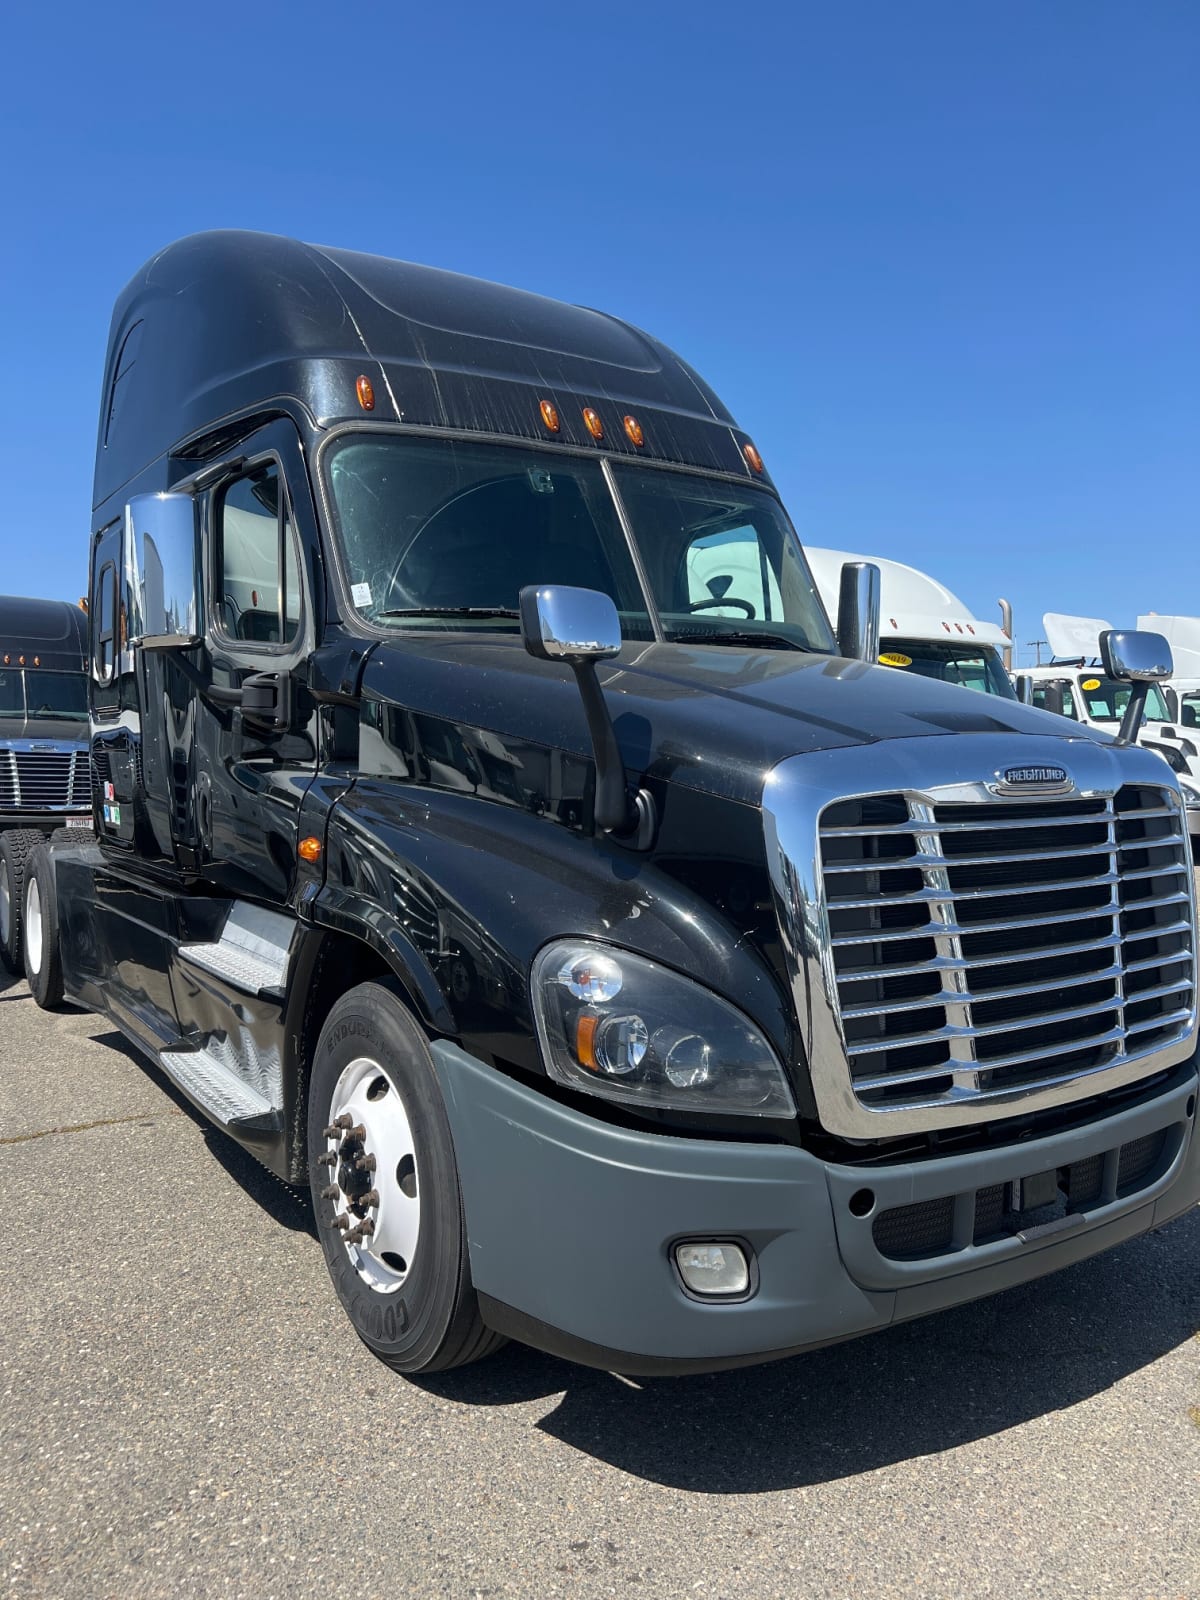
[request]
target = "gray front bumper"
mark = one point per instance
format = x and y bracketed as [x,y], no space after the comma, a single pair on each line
[570,1224]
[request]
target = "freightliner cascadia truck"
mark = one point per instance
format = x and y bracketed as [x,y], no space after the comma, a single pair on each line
[639,973]
[44,782]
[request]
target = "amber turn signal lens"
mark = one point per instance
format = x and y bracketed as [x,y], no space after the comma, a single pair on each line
[592,423]
[20,661]
[634,430]
[549,416]
[585,1040]
[753,457]
[309,849]
[366,392]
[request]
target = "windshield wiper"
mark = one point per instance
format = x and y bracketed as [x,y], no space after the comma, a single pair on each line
[450,611]
[764,641]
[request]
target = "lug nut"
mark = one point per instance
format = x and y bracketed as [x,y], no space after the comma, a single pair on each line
[359,1133]
[355,1236]
[341,1221]
[371,1198]
[365,1228]
[328,1160]
[330,1193]
[344,1121]
[365,1163]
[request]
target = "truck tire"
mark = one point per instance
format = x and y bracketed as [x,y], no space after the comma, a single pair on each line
[43,959]
[385,1188]
[15,848]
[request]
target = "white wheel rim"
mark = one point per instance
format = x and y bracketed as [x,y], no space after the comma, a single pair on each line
[5,907]
[33,925]
[373,1176]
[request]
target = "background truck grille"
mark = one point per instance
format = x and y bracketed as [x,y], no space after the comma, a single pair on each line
[44,780]
[981,948]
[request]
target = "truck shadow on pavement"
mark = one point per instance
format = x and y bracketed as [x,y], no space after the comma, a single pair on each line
[917,1389]
[289,1207]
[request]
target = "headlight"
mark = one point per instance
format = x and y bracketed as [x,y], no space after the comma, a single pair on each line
[623,1027]
[1191,795]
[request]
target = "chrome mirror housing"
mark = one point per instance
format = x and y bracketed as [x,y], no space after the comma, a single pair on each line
[1138,659]
[162,579]
[564,624]
[1133,656]
[858,612]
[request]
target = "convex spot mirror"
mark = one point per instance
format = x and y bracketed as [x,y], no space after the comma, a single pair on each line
[162,578]
[564,624]
[1133,656]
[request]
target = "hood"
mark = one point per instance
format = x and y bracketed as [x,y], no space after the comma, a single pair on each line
[43,730]
[709,717]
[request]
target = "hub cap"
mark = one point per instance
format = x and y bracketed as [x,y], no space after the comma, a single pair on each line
[33,925]
[371,1161]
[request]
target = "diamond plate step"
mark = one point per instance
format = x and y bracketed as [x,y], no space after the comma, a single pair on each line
[206,1078]
[252,952]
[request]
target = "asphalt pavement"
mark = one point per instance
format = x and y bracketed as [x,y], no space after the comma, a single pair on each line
[184,1410]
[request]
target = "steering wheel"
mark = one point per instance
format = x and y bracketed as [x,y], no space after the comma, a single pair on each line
[723,600]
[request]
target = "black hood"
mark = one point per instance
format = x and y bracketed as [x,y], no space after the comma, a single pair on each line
[710,717]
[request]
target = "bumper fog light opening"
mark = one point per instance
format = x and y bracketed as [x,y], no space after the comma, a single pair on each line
[715,1270]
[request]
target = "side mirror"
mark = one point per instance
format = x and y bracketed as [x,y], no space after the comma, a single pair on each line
[561,624]
[162,572]
[580,627]
[1131,656]
[1025,689]
[1138,659]
[858,612]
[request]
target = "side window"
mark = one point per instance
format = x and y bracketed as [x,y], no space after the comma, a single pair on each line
[732,567]
[257,566]
[104,612]
[1068,702]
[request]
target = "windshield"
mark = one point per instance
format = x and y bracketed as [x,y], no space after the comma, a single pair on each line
[43,696]
[1105,699]
[446,533]
[971,666]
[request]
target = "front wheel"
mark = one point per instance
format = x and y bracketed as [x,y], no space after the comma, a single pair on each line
[43,960]
[385,1188]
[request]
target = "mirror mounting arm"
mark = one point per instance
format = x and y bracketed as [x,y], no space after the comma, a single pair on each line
[579,627]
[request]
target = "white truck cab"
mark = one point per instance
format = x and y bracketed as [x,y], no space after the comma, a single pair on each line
[925,629]
[1075,685]
[1182,689]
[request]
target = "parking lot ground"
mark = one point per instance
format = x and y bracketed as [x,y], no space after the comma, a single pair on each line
[184,1411]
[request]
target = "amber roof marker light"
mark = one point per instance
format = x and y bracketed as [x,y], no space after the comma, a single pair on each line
[591,421]
[633,430]
[549,416]
[365,390]
[752,456]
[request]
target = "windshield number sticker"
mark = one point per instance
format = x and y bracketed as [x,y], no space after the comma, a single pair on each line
[895,658]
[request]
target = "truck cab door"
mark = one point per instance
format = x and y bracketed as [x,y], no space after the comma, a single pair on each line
[255,759]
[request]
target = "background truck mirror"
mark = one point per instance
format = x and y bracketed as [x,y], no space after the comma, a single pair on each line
[162,572]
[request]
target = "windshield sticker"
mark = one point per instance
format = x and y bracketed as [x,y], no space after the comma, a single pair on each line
[360,593]
[895,658]
[1089,684]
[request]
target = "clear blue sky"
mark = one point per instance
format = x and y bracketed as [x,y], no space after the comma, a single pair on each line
[939,256]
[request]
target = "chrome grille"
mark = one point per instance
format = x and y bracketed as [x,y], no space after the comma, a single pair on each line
[44,780]
[982,949]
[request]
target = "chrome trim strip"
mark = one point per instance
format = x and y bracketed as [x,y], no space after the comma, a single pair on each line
[955,771]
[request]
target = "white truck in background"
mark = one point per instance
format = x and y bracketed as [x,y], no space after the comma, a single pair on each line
[925,629]
[1182,689]
[1074,684]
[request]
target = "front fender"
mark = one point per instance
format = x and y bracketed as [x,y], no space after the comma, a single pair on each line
[460,893]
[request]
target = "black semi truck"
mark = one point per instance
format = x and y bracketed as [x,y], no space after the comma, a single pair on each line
[44,781]
[629,964]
